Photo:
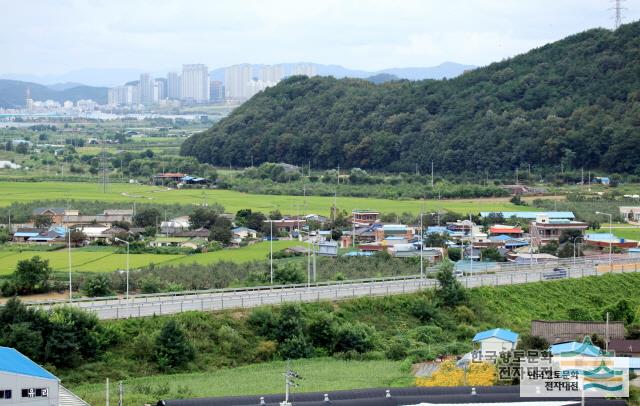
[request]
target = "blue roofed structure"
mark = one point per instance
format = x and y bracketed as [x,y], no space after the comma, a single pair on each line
[500,333]
[531,215]
[12,361]
[573,348]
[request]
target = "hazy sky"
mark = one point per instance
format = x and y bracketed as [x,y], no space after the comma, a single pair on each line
[57,36]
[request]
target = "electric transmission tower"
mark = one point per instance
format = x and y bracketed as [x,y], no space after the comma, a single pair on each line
[617,8]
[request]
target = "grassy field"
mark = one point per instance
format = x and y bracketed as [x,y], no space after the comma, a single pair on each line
[324,374]
[104,261]
[234,201]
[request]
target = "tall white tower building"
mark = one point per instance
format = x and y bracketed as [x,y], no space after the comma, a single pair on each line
[173,85]
[195,83]
[237,80]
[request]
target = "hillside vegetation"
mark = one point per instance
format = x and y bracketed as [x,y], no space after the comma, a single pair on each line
[14,92]
[575,103]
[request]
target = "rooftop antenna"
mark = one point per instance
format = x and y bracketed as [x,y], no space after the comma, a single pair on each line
[617,8]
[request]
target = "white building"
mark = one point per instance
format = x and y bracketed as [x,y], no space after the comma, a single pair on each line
[236,81]
[123,95]
[23,382]
[195,83]
[145,89]
[493,342]
[173,85]
[272,73]
[306,69]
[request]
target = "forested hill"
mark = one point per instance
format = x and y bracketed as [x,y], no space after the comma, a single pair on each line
[576,102]
[13,93]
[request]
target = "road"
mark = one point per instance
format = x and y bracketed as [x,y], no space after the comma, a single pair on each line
[159,304]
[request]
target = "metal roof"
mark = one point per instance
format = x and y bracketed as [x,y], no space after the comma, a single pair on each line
[575,348]
[12,361]
[501,333]
[531,215]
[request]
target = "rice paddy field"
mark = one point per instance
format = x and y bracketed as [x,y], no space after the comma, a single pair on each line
[108,261]
[320,374]
[233,201]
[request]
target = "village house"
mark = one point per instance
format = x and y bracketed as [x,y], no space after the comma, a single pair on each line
[56,214]
[491,343]
[364,217]
[604,240]
[175,225]
[546,229]
[630,213]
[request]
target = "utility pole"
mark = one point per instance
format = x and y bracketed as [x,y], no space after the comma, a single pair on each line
[606,339]
[121,394]
[432,173]
[271,250]
[69,251]
[106,393]
[516,175]
[421,247]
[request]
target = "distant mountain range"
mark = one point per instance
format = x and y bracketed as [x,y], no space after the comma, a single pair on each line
[444,70]
[13,93]
[116,77]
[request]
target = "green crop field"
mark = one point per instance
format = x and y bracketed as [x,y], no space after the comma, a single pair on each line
[234,201]
[104,261]
[324,374]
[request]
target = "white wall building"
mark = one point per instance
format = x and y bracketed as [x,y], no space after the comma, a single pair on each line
[493,342]
[195,83]
[173,85]
[145,89]
[23,382]
[236,81]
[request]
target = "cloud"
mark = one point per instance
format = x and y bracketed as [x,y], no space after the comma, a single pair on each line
[40,36]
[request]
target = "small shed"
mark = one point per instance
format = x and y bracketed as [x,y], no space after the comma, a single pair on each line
[496,341]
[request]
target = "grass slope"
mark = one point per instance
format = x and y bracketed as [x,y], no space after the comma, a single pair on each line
[234,201]
[322,374]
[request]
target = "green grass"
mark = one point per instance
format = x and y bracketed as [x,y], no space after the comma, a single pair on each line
[85,260]
[322,374]
[233,201]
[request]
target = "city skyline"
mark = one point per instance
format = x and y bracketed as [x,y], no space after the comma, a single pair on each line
[370,37]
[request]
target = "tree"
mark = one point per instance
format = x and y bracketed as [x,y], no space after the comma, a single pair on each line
[450,292]
[78,237]
[146,217]
[202,218]
[221,231]
[356,337]
[549,248]
[289,273]
[32,275]
[97,285]
[621,311]
[491,254]
[436,240]
[530,342]
[42,221]
[172,348]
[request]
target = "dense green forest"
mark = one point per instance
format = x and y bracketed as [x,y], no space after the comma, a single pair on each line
[571,104]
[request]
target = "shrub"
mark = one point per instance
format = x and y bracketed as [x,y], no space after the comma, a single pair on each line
[97,285]
[295,347]
[172,349]
[356,337]
[263,322]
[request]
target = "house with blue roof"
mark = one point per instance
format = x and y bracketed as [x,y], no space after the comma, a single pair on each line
[492,342]
[574,348]
[24,382]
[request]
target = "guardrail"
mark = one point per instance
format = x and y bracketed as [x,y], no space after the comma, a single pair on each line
[232,299]
[499,267]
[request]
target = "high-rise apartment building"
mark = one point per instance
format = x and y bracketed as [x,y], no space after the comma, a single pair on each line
[126,95]
[173,85]
[272,73]
[159,90]
[306,69]
[237,79]
[145,89]
[195,83]
[216,91]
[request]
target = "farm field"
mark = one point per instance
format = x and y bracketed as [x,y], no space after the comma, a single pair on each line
[234,201]
[105,261]
[322,374]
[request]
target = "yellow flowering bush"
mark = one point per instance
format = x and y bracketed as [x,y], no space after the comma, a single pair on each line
[478,374]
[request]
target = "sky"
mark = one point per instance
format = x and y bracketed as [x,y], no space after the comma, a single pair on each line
[53,37]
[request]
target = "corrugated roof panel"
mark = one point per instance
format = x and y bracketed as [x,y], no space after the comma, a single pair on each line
[13,361]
